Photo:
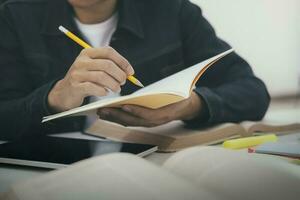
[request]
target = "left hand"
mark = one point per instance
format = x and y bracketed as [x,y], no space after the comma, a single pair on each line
[131,115]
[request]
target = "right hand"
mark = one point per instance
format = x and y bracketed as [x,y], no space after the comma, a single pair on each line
[93,72]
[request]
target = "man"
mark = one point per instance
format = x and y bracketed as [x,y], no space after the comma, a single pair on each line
[43,72]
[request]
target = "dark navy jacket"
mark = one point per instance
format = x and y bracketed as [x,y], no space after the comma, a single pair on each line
[158,38]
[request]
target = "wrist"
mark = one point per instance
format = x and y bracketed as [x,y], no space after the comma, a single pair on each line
[54,103]
[193,107]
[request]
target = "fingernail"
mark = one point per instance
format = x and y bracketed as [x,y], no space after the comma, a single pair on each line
[131,70]
[126,108]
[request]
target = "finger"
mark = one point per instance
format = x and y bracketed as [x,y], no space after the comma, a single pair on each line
[161,114]
[91,89]
[101,79]
[139,111]
[111,54]
[109,67]
[121,117]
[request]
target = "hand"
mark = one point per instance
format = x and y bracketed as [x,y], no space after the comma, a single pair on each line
[93,72]
[130,115]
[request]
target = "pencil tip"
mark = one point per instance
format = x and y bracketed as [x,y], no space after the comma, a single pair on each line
[140,84]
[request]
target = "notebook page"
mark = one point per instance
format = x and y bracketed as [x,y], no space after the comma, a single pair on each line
[113,176]
[180,82]
[237,175]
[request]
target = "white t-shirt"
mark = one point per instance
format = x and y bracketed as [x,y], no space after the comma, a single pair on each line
[98,35]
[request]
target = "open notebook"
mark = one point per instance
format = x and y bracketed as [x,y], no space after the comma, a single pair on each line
[156,95]
[196,173]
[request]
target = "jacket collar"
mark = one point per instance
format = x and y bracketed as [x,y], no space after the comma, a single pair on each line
[59,12]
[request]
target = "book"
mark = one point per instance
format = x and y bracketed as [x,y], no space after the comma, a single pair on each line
[175,136]
[156,95]
[289,148]
[195,173]
[281,149]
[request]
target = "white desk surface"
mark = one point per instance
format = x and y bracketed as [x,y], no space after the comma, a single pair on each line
[12,174]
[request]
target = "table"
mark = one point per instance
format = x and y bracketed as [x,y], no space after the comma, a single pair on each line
[13,174]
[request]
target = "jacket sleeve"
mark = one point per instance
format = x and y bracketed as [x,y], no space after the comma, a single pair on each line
[22,106]
[229,89]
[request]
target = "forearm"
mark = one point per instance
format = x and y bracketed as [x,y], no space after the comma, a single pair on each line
[23,115]
[245,99]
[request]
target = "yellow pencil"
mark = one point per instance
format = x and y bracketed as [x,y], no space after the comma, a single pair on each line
[86,46]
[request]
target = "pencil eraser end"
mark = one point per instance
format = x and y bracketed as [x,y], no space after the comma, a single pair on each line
[62,29]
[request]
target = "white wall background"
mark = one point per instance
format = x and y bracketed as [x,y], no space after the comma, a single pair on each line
[266,33]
